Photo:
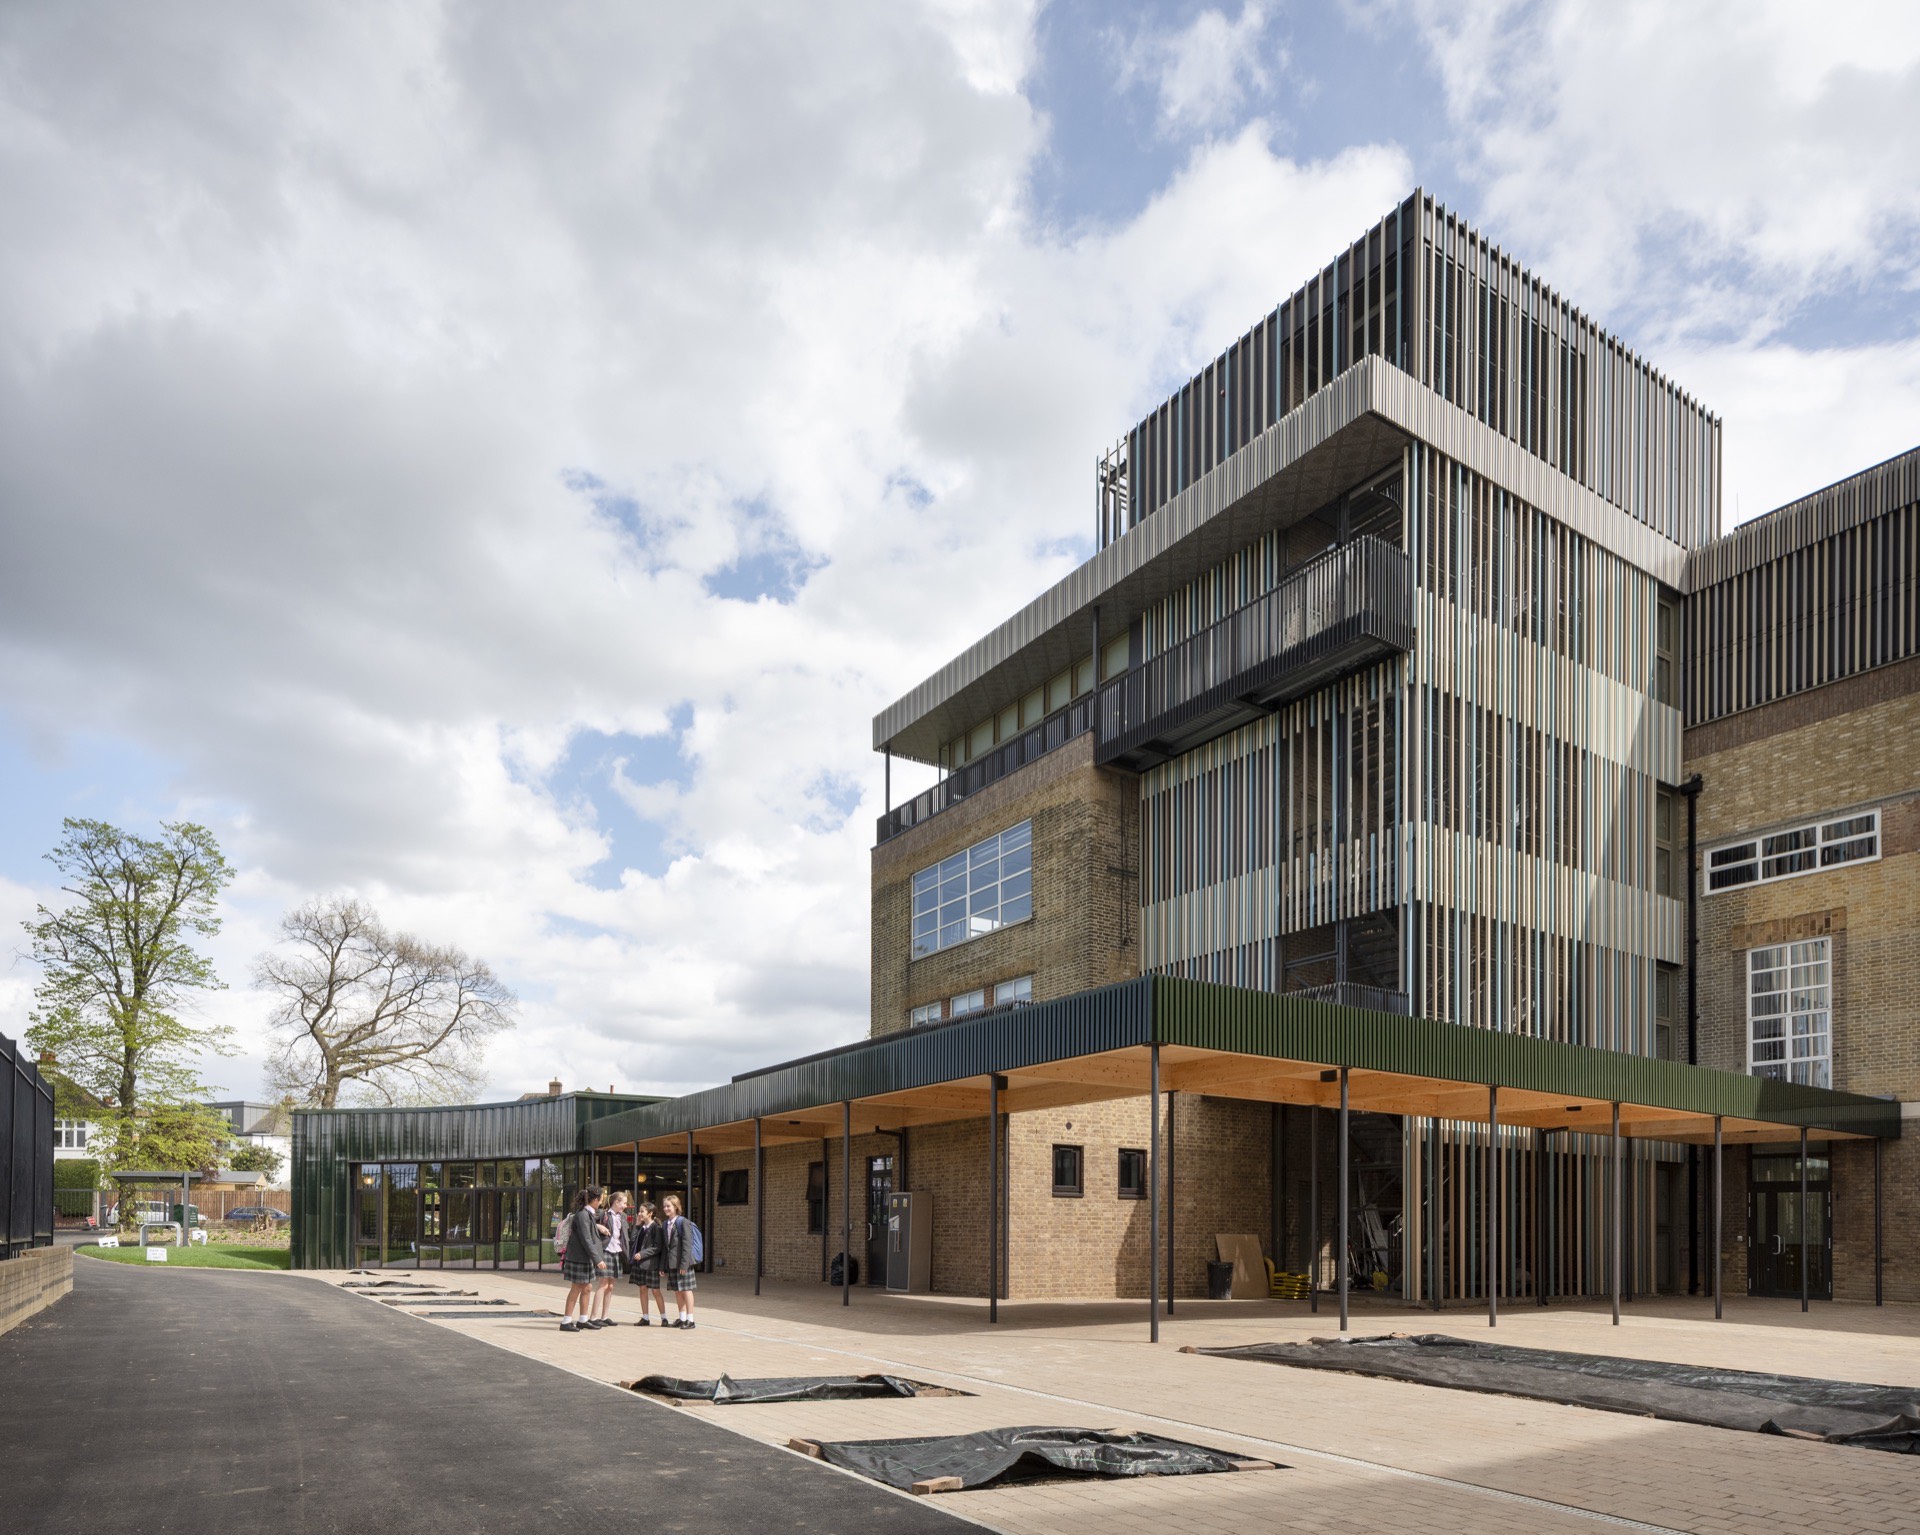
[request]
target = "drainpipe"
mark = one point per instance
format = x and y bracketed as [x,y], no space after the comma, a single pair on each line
[1691,790]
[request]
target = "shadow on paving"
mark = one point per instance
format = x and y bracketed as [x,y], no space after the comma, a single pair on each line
[218,1402]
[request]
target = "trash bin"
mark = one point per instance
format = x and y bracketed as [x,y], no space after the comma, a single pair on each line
[1219,1281]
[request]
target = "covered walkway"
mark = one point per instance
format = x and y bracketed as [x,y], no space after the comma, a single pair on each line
[1157,1035]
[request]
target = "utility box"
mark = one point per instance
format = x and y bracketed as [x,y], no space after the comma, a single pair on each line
[910,1243]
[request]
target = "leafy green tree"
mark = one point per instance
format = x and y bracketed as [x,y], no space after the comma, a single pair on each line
[119,971]
[247,1158]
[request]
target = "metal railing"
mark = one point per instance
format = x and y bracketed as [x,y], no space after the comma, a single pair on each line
[1347,608]
[26,1153]
[1010,756]
[1375,999]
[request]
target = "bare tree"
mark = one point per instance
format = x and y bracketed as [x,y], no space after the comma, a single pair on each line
[379,1014]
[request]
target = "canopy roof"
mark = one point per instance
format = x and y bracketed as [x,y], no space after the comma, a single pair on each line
[1229,1042]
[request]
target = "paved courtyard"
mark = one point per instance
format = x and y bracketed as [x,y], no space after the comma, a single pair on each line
[1362,1454]
[228,1402]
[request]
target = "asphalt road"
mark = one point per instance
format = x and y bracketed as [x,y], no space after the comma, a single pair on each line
[207,1403]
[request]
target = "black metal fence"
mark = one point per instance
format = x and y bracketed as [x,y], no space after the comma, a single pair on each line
[26,1153]
[1010,756]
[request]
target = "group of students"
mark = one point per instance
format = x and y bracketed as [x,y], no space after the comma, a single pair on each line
[658,1252]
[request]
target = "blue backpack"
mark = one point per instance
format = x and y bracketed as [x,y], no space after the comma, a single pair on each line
[699,1247]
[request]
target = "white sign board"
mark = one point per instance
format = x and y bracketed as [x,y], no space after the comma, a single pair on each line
[156,1255]
[112,1241]
[199,1236]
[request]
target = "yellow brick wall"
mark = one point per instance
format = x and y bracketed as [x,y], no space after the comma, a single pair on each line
[1084,928]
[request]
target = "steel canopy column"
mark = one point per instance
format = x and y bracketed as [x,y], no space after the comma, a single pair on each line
[1313,1209]
[1493,1206]
[1619,1234]
[1153,1191]
[1343,1263]
[1718,1189]
[686,1208]
[1879,1293]
[759,1205]
[993,1193]
[1173,1202]
[1435,1223]
[1803,1217]
[846,1202]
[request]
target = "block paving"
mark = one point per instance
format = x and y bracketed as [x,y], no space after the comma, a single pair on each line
[1361,1454]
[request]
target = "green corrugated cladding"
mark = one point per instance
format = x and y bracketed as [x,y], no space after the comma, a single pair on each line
[327,1141]
[1162,1010]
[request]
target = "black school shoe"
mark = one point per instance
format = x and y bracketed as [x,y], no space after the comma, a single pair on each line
[641,1323]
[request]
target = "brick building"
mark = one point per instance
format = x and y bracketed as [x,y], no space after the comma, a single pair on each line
[1311,864]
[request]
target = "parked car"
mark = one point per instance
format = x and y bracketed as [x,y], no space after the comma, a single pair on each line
[257,1213]
[153,1212]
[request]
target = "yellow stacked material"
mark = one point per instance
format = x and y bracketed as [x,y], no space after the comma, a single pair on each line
[1282,1285]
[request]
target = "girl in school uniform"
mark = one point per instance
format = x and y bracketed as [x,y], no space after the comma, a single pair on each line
[676,1262]
[648,1235]
[585,1257]
[615,1226]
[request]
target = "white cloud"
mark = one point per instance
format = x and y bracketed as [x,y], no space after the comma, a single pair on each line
[1204,73]
[379,390]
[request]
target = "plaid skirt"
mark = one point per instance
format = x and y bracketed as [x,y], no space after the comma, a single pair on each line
[577,1266]
[682,1279]
[647,1279]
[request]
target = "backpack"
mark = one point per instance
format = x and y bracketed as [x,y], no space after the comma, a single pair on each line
[560,1236]
[699,1247]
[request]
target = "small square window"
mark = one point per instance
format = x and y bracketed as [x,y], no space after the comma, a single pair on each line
[1015,993]
[968,1002]
[1133,1173]
[733,1187]
[1067,1180]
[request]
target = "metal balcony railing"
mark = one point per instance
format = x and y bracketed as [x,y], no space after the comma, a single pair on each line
[1050,734]
[1375,999]
[1350,607]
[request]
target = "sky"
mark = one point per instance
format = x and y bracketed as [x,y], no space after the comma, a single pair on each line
[494,461]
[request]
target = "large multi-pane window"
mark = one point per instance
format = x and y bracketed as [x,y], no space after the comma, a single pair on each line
[981,890]
[1790,1011]
[69,1135]
[1797,850]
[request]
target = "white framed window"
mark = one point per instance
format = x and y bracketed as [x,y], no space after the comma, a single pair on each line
[923,1015]
[1014,993]
[1797,850]
[1790,1012]
[979,891]
[69,1135]
[968,1002]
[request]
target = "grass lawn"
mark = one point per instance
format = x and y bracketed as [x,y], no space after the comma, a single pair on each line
[215,1255]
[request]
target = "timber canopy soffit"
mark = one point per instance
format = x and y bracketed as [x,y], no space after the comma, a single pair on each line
[1229,1042]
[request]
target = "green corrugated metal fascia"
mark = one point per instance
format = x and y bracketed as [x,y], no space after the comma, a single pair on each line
[1214,1017]
[1110,1018]
[326,1141]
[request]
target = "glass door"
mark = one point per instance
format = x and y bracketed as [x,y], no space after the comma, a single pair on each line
[1773,1225]
[403,1215]
[369,1251]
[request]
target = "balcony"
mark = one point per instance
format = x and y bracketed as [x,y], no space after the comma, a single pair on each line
[1010,756]
[1349,608]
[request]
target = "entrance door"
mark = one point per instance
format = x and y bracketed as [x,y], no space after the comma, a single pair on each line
[1773,1225]
[879,1189]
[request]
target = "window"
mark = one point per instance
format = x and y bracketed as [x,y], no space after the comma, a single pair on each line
[1666,980]
[1067,1182]
[1133,1173]
[1790,1012]
[733,1187]
[1664,882]
[926,1013]
[1797,850]
[1016,993]
[816,1198]
[968,1002]
[979,891]
[1664,690]
[69,1135]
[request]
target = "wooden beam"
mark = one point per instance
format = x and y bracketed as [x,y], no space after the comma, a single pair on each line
[1203,1076]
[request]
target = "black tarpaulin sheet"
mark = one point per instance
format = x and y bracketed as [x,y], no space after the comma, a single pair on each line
[1839,1412]
[974,1460]
[780,1388]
